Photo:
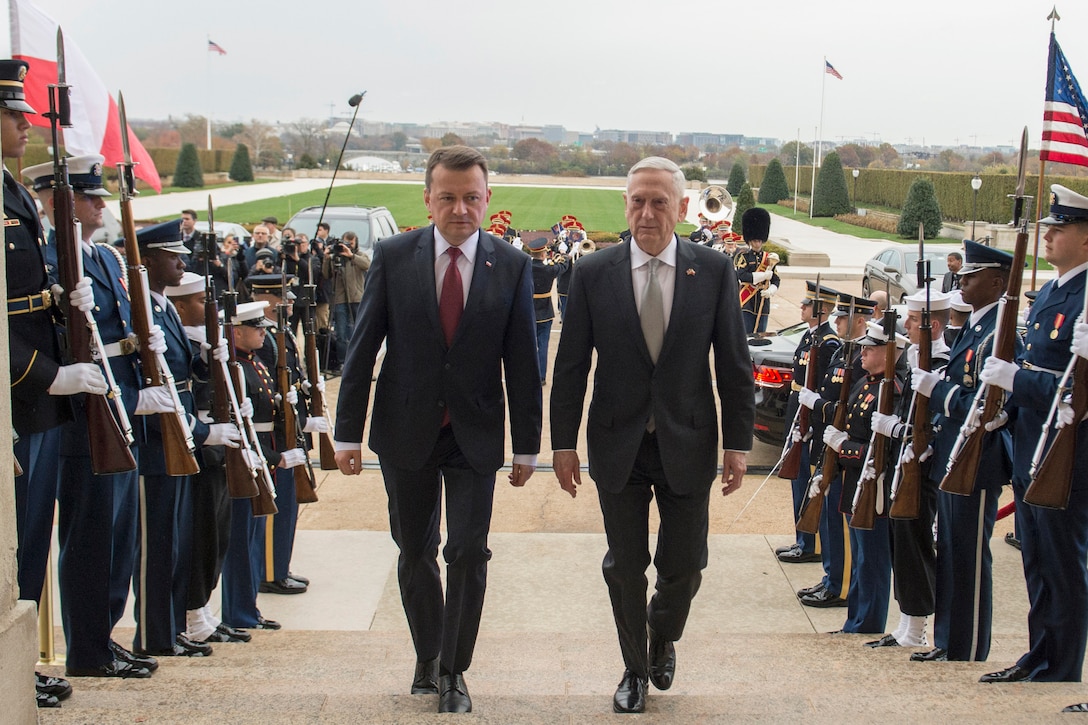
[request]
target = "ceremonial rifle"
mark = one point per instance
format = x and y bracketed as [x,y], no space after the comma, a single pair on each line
[1052,480]
[907,482]
[241,474]
[305,486]
[109,437]
[791,464]
[808,521]
[987,409]
[868,498]
[318,405]
[177,439]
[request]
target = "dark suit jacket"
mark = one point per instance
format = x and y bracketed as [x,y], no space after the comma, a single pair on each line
[602,315]
[421,377]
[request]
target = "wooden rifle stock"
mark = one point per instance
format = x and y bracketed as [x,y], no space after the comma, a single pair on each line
[305,486]
[1053,481]
[317,398]
[791,464]
[908,496]
[865,512]
[264,503]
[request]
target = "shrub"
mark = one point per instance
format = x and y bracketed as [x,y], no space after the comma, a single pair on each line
[736,179]
[886,223]
[745,200]
[240,167]
[694,172]
[188,173]
[773,188]
[921,206]
[831,196]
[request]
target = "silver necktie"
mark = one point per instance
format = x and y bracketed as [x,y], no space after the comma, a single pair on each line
[652,313]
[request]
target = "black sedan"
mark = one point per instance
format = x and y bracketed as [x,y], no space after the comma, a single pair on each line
[772,368]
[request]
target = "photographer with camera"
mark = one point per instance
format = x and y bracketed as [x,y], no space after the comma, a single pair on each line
[227,257]
[301,261]
[346,267]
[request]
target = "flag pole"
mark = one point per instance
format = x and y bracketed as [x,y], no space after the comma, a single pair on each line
[1053,18]
[797,170]
[208,58]
[812,191]
[823,92]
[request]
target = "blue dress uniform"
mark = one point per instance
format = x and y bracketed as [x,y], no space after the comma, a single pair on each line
[826,342]
[1055,542]
[964,608]
[544,276]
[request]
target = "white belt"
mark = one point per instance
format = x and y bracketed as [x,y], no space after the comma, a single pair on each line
[1055,373]
[127,346]
[264,427]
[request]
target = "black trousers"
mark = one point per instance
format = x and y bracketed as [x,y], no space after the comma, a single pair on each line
[914,560]
[445,628]
[680,557]
[211,533]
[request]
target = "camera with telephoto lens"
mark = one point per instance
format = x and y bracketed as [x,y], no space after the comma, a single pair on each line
[290,247]
[205,245]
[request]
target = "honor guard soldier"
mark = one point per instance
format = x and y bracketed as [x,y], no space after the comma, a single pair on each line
[958,313]
[755,270]
[97,522]
[280,531]
[209,527]
[963,607]
[822,338]
[544,275]
[914,561]
[850,317]
[40,384]
[245,553]
[1054,541]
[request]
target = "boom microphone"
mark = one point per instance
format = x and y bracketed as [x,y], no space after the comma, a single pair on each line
[356,99]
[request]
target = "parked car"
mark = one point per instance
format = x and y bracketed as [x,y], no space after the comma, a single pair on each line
[895,269]
[371,223]
[223,228]
[772,368]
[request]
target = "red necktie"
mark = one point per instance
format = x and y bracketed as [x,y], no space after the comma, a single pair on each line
[453,299]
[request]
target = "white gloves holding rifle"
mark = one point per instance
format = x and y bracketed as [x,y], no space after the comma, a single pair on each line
[888,426]
[156,341]
[78,378]
[999,373]
[81,296]
[807,398]
[316,424]
[292,457]
[223,434]
[834,438]
[1080,339]
[153,400]
[924,381]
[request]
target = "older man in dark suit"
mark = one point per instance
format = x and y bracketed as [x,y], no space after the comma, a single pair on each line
[653,308]
[455,308]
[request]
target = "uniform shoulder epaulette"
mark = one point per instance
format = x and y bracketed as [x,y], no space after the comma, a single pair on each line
[121,261]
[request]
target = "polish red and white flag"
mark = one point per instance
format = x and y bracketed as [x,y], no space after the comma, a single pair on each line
[96,128]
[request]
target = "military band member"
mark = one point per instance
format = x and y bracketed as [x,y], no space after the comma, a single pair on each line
[544,275]
[963,607]
[757,309]
[280,530]
[820,336]
[914,561]
[850,317]
[1054,541]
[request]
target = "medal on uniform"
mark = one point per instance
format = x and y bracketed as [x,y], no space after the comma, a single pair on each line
[1058,320]
[967,364]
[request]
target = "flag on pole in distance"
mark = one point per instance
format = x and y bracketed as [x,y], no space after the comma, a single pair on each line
[96,129]
[830,69]
[214,47]
[1065,115]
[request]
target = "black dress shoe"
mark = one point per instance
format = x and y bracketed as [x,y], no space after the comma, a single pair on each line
[58,687]
[1011,540]
[149,663]
[425,681]
[263,623]
[223,633]
[299,578]
[822,600]
[662,661]
[784,549]
[934,655]
[192,648]
[117,668]
[453,694]
[810,590]
[887,640]
[44,700]
[797,555]
[1016,673]
[630,694]
[1079,707]
[282,586]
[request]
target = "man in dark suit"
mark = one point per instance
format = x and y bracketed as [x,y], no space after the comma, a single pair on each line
[455,308]
[653,308]
[951,280]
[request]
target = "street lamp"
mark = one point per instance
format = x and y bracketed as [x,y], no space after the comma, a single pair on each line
[856,173]
[976,184]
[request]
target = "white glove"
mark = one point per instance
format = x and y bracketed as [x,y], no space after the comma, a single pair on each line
[807,398]
[1080,339]
[924,381]
[886,425]
[1065,415]
[81,296]
[834,438]
[223,434]
[770,291]
[999,373]
[221,353]
[306,387]
[999,421]
[246,408]
[253,458]
[316,424]
[908,454]
[814,485]
[78,378]
[292,457]
[760,277]
[156,341]
[796,435]
[321,383]
[292,396]
[155,400]
[868,473]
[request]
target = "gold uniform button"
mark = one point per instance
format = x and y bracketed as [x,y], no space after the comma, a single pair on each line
[1028,346]
[1036,325]
[11,246]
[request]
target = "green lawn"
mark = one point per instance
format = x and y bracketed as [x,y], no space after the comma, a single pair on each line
[173,189]
[834,225]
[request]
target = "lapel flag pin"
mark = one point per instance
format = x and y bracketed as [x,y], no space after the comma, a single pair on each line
[487,264]
[691,272]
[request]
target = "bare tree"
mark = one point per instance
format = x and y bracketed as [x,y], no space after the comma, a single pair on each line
[260,137]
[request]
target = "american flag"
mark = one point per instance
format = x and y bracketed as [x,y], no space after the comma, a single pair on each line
[214,47]
[1065,114]
[831,70]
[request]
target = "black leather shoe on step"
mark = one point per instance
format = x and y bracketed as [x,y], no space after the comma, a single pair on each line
[797,555]
[630,694]
[299,578]
[58,687]
[822,600]
[453,694]
[223,633]
[286,585]
[934,655]
[784,549]
[117,668]
[263,623]
[819,587]
[1016,673]
[887,640]
[1079,707]
[425,681]
[662,661]
[148,663]
[44,700]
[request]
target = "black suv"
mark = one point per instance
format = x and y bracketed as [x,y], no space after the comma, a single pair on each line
[371,223]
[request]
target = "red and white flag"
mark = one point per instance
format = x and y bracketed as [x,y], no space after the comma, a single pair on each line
[96,129]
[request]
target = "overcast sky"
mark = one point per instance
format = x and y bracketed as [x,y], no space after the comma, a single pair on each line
[947,71]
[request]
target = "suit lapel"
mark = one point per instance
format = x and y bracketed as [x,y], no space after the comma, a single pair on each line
[481,278]
[683,287]
[623,291]
[425,281]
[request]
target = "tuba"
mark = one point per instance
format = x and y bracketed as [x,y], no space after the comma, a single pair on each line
[587,246]
[716,204]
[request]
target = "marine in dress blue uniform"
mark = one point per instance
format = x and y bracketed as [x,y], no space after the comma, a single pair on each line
[964,581]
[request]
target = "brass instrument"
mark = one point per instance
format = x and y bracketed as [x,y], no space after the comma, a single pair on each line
[588,246]
[716,203]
